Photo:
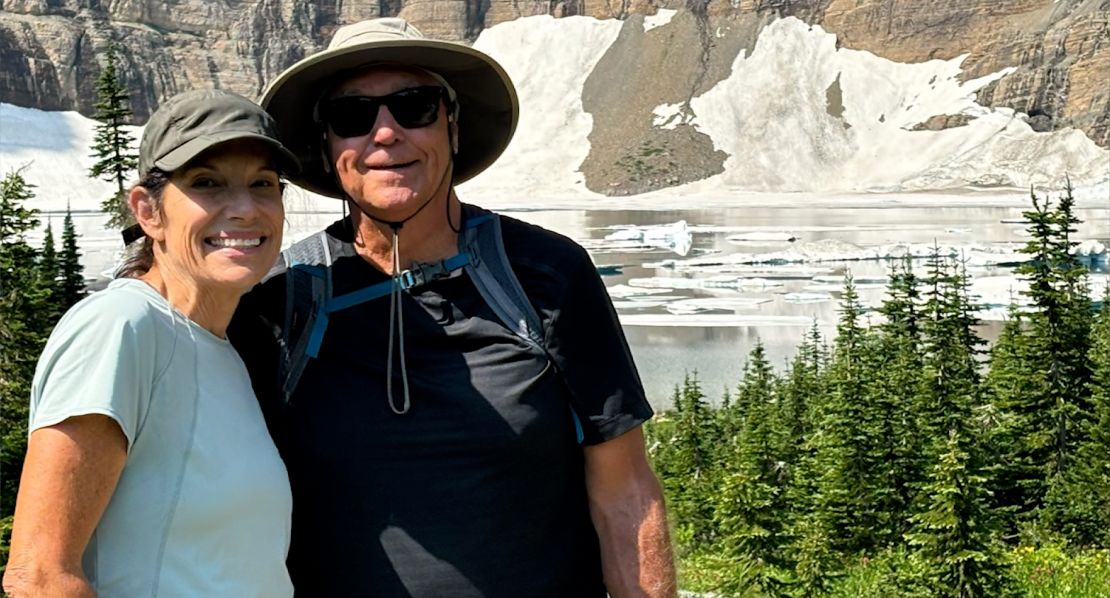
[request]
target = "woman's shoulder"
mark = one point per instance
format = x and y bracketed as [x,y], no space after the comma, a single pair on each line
[124,305]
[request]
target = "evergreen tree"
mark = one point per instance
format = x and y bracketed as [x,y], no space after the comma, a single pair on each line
[1012,382]
[897,380]
[816,565]
[951,385]
[751,499]
[686,461]
[846,462]
[23,303]
[956,532]
[797,391]
[113,145]
[1048,409]
[48,264]
[72,276]
[1078,502]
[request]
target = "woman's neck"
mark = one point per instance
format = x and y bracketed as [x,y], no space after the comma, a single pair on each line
[210,308]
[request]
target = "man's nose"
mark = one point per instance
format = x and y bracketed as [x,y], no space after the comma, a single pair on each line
[386,131]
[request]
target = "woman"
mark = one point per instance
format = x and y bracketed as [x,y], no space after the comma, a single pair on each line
[149,471]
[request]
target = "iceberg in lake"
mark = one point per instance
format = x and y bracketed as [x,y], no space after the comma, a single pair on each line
[675,237]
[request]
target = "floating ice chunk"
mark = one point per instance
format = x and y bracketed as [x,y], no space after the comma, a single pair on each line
[958,231]
[1089,247]
[623,291]
[807,297]
[823,288]
[665,283]
[712,282]
[716,320]
[675,237]
[1092,253]
[638,304]
[999,291]
[738,282]
[699,305]
[998,314]
[625,234]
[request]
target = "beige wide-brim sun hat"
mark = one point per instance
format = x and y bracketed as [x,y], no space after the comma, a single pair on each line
[488,105]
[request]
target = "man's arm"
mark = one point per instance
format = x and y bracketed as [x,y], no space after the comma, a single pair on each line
[626,505]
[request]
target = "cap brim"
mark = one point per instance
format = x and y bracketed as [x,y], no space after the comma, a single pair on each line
[183,154]
[488,106]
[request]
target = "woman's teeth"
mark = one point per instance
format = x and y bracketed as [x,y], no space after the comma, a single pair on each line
[225,242]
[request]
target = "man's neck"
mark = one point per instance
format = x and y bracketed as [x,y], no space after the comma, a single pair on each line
[426,237]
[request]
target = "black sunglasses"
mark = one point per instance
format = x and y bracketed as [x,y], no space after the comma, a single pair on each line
[354,116]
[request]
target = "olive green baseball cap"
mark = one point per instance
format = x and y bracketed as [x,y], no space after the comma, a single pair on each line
[192,122]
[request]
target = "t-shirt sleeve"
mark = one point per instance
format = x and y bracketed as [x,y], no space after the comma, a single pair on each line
[588,345]
[100,359]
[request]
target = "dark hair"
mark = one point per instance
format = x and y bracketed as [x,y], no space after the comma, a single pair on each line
[138,257]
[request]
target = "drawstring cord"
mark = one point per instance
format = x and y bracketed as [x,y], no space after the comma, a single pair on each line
[396,313]
[396,323]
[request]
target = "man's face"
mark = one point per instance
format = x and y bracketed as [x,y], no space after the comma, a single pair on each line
[391,170]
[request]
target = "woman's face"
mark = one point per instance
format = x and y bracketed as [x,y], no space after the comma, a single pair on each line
[221,218]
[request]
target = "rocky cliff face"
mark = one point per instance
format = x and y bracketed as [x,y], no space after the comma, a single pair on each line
[50,53]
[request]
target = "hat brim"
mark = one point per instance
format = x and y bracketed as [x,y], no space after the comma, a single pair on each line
[488,106]
[183,154]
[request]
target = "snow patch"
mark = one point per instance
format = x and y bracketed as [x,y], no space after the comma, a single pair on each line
[660,18]
[548,60]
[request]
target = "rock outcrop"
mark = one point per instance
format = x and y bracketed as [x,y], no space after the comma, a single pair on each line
[1059,53]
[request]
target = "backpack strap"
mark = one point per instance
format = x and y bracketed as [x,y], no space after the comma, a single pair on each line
[307,291]
[481,253]
[492,274]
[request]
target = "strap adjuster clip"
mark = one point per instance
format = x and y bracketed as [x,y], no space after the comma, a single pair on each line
[423,273]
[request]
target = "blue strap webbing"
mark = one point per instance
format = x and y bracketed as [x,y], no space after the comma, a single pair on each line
[407,279]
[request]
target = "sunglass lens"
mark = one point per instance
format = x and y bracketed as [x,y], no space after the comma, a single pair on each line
[354,116]
[414,108]
[351,116]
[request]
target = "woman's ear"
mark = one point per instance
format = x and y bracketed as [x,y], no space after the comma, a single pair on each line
[146,212]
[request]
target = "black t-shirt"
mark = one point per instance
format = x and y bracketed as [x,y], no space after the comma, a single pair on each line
[479,489]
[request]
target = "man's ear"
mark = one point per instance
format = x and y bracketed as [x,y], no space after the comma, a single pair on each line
[146,212]
[453,133]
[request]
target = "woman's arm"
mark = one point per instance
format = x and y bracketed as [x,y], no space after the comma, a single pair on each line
[69,474]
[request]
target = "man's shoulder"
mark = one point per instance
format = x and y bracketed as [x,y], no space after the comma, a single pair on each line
[527,244]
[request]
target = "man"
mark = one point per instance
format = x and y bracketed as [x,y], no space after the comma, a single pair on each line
[431,452]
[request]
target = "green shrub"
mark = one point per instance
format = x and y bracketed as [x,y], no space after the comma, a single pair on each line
[1052,572]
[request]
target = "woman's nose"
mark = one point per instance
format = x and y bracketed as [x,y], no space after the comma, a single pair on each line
[242,205]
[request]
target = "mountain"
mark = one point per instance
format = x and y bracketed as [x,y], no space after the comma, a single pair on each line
[50,49]
[630,98]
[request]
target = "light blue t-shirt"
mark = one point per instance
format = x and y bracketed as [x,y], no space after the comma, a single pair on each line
[203,506]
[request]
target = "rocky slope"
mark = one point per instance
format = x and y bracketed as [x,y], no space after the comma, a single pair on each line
[50,53]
